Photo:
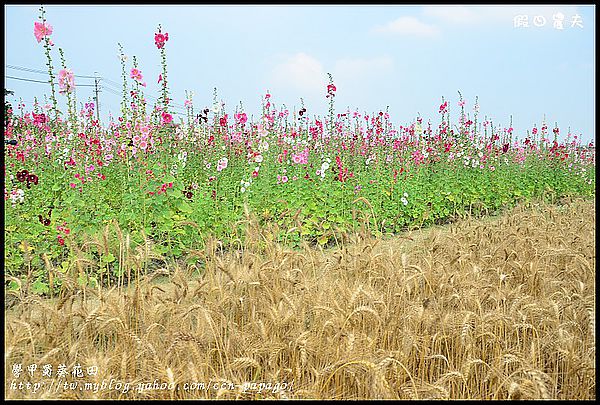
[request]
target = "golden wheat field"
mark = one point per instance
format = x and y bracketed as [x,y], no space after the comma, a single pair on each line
[495,308]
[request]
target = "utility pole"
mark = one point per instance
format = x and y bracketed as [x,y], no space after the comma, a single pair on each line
[97,102]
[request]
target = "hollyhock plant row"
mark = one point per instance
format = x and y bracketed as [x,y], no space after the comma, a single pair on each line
[315,178]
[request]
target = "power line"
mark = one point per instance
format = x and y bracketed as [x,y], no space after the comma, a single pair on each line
[112,82]
[47,82]
[96,78]
[83,76]
[42,72]
[111,91]
[115,93]
[119,91]
[26,80]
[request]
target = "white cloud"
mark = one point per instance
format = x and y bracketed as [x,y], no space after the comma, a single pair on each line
[408,26]
[303,76]
[300,72]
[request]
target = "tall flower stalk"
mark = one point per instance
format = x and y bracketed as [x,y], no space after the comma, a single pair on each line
[123,59]
[42,31]
[475,114]
[160,39]
[189,108]
[138,104]
[66,85]
[331,89]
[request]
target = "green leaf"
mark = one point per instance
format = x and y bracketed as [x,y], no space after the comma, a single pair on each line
[82,280]
[184,207]
[93,282]
[64,266]
[13,286]
[109,258]
[39,287]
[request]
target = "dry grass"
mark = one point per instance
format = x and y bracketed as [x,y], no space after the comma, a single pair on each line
[500,308]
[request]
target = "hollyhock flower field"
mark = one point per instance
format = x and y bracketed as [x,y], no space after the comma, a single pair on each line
[316,178]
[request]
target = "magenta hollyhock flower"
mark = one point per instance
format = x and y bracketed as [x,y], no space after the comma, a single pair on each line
[41,30]
[331,90]
[160,39]
[241,118]
[167,118]
[443,107]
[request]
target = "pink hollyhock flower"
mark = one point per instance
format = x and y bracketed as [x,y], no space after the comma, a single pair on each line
[301,158]
[136,74]
[145,130]
[66,81]
[222,164]
[41,30]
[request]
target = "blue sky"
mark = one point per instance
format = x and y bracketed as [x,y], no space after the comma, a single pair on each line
[404,57]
